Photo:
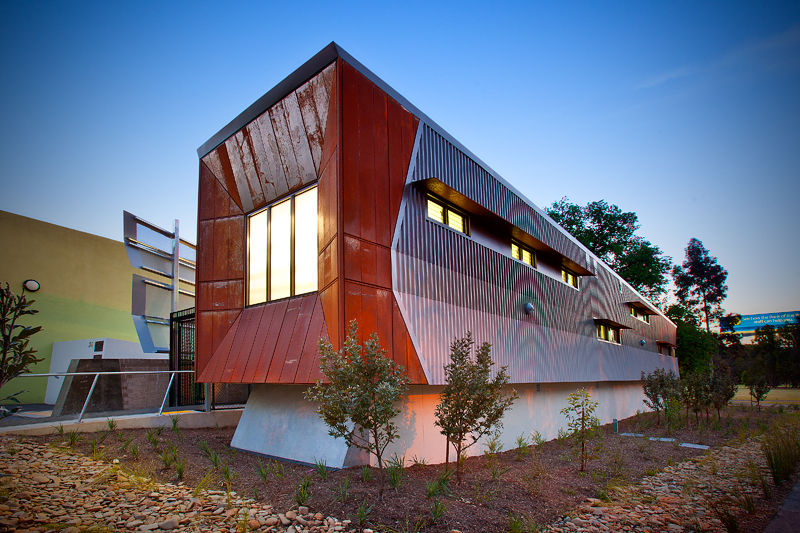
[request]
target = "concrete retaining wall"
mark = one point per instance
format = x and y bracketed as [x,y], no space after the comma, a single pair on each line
[278,422]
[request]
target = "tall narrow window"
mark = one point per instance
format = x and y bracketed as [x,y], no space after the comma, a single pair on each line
[450,217]
[282,249]
[522,253]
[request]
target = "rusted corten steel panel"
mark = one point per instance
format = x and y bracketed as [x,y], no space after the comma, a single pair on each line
[220,265]
[271,343]
[376,145]
[279,151]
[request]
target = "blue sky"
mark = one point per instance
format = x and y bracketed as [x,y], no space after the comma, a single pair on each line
[687,113]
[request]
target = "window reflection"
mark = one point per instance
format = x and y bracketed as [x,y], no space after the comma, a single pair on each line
[280,250]
[257,253]
[305,242]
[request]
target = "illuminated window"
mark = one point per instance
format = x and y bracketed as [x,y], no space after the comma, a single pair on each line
[522,253]
[608,333]
[641,315]
[569,277]
[282,249]
[444,214]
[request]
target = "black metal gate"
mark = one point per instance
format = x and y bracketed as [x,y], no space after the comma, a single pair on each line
[185,392]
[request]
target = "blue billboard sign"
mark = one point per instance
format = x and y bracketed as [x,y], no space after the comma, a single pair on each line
[749,323]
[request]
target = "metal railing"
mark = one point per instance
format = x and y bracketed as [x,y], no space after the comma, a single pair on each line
[98,374]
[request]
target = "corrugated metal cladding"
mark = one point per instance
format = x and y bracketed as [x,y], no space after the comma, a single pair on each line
[438,158]
[448,284]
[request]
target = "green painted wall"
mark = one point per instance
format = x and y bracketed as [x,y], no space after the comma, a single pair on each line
[85,288]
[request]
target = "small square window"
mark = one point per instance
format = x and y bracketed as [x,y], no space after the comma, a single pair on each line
[569,277]
[608,333]
[522,253]
[448,216]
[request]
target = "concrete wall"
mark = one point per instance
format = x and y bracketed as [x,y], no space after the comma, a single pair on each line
[85,288]
[277,421]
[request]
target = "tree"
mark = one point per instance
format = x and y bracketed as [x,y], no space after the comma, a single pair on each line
[471,404]
[701,282]
[16,357]
[359,402]
[695,347]
[723,389]
[657,387]
[610,234]
[581,420]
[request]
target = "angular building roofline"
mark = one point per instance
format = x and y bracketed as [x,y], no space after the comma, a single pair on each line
[316,64]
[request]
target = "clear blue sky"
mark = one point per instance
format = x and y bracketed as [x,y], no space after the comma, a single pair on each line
[687,113]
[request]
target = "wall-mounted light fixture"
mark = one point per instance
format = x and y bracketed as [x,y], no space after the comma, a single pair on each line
[528,308]
[642,342]
[31,285]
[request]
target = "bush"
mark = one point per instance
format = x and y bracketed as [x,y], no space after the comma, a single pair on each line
[658,386]
[581,420]
[363,392]
[15,356]
[782,451]
[471,405]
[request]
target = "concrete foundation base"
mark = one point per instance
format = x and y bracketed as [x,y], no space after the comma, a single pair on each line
[279,422]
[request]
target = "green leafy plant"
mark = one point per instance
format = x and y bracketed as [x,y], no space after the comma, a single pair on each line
[263,471]
[782,451]
[207,480]
[395,471]
[362,513]
[112,424]
[523,447]
[180,467]
[303,492]
[72,438]
[471,404]
[15,356]
[493,446]
[582,423]
[522,524]
[167,457]
[342,490]
[536,438]
[135,451]
[496,470]
[321,468]
[658,387]
[366,473]
[152,437]
[175,429]
[418,461]
[363,390]
[278,469]
[438,509]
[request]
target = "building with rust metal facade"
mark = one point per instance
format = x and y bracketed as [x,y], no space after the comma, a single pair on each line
[332,198]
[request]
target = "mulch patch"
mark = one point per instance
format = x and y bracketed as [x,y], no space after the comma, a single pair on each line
[541,483]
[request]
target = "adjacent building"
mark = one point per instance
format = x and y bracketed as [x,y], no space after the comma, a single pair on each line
[333,199]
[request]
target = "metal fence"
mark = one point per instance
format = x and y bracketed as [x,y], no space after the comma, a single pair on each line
[185,392]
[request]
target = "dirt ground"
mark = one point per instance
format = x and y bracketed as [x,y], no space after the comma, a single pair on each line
[541,482]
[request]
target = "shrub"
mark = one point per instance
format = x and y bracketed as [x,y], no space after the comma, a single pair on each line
[15,356]
[581,420]
[363,390]
[781,448]
[657,387]
[471,404]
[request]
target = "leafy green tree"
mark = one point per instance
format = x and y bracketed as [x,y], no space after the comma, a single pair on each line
[696,347]
[657,386]
[759,388]
[609,233]
[700,281]
[360,400]
[723,389]
[471,404]
[16,357]
[581,421]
